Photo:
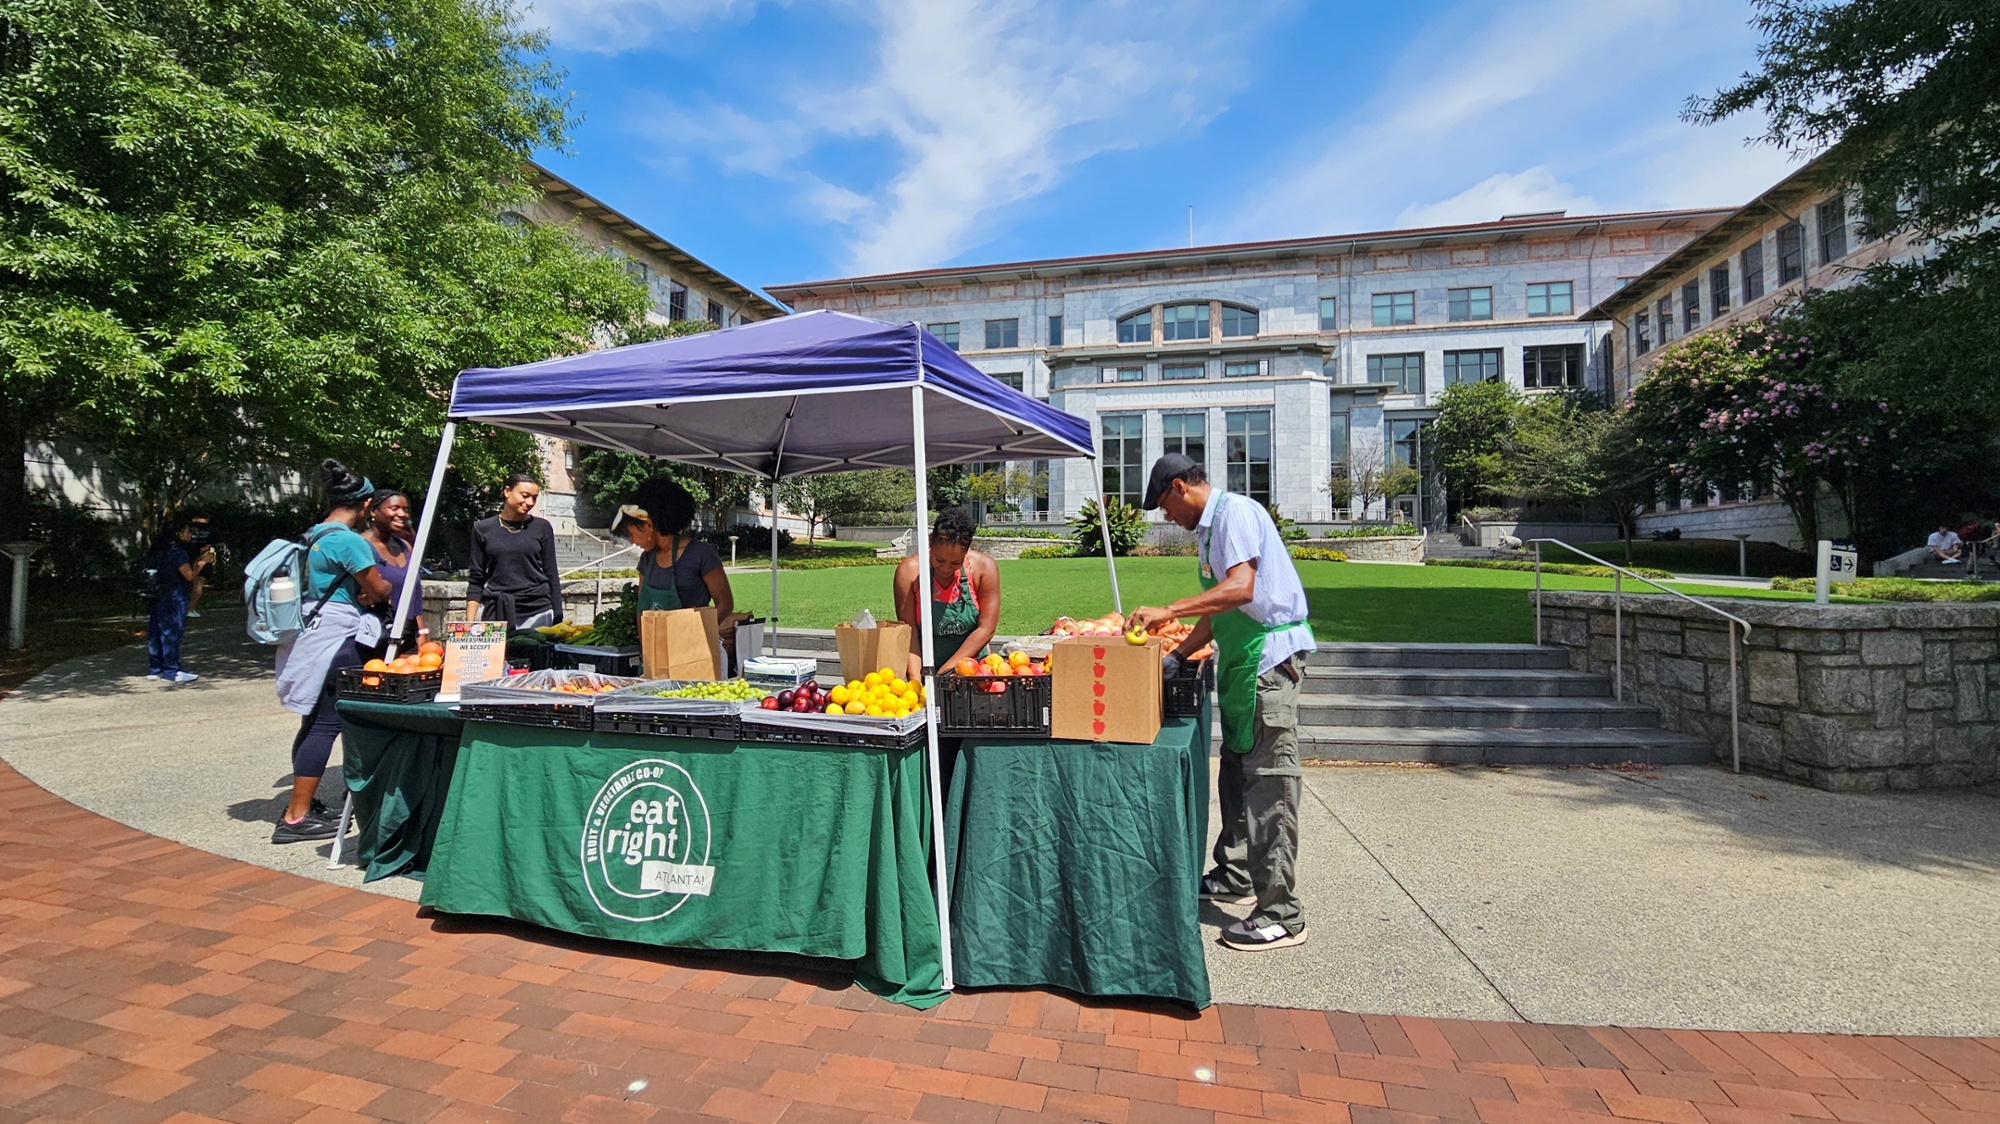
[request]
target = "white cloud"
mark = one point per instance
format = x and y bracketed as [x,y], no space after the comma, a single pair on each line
[612,26]
[983,104]
[1508,193]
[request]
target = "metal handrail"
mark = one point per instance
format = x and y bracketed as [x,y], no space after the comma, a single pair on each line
[597,595]
[1618,574]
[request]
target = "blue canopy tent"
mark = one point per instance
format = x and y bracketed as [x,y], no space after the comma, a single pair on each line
[812,393]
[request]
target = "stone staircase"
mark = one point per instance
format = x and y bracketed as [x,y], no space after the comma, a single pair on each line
[1451,546]
[1495,704]
[576,551]
[1491,704]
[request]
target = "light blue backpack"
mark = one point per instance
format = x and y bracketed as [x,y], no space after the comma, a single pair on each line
[280,620]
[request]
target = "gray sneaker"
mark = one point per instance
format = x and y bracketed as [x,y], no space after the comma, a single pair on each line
[312,827]
[1246,937]
[1216,889]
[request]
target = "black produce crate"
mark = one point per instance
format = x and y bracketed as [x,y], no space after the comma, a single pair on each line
[1184,693]
[390,686]
[715,727]
[604,661]
[851,739]
[549,716]
[966,711]
[533,655]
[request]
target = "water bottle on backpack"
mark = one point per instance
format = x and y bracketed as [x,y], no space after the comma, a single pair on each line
[274,583]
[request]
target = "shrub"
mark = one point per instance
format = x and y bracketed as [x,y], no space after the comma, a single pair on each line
[1317,554]
[1899,589]
[1063,551]
[834,563]
[1570,569]
[1019,533]
[1371,532]
[1127,525]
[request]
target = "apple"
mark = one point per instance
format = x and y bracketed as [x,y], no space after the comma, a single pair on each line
[770,702]
[1136,637]
[786,699]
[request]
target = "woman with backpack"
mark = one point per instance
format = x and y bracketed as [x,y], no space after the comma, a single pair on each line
[342,581]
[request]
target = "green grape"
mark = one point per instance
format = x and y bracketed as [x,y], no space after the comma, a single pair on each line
[734,690]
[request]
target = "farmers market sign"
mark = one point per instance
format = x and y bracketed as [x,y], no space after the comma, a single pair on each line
[645,842]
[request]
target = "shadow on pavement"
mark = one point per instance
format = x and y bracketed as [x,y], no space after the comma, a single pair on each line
[217,650]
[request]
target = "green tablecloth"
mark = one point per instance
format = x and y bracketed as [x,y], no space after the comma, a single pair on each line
[1078,864]
[398,760]
[698,844]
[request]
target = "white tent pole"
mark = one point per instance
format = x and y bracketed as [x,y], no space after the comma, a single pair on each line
[1104,530]
[922,542]
[433,499]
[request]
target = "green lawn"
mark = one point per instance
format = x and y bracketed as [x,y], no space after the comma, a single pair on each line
[1349,601]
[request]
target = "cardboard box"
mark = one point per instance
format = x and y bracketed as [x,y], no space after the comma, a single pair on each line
[680,644]
[863,650]
[1105,690]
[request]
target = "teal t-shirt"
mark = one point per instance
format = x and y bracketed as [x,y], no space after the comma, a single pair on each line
[335,557]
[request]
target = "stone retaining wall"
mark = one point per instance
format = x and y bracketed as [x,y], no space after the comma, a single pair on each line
[1844,697]
[1385,548]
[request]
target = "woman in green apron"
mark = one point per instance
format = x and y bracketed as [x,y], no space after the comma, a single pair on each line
[676,569]
[964,592]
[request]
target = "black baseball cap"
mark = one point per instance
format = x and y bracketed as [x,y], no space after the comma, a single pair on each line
[1165,471]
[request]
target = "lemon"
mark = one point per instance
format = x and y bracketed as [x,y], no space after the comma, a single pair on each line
[872,679]
[873,711]
[857,707]
[838,695]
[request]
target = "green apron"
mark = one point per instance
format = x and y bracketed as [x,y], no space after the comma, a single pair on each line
[1239,647]
[650,598]
[952,622]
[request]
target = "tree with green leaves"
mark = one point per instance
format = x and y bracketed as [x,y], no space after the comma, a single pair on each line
[261,231]
[1471,432]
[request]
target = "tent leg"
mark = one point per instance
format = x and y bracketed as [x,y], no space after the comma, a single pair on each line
[433,499]
[922,543]
[1104,530]
[772,632]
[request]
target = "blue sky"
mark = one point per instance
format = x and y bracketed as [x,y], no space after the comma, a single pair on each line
[793,141]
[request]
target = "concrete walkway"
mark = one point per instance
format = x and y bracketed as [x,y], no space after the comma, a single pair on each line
[1684,897]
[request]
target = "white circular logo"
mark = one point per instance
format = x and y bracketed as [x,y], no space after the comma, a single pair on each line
[645,842]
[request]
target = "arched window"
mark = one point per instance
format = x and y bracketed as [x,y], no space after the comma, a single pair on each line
[1184,322]
[1238,321]
[1136,328]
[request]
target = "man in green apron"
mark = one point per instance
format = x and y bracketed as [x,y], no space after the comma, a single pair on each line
[1254,609]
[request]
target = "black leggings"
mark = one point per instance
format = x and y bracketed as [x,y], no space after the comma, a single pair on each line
[314,743]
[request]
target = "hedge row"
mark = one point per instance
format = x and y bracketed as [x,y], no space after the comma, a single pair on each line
[1899,589]
[1569,569]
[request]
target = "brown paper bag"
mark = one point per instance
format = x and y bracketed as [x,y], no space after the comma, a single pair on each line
[1105,690]
[863,650]
[680,644]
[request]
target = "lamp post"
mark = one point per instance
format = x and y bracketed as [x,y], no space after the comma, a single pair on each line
[17,615]
[732,550]
[1742,555]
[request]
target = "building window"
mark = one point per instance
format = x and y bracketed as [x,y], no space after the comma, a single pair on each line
[1184,371]
[1404,372]
[947,334]
[1244,370]
[1482,365]
[1690,306]
[1664,307]
[1011,378]
[1469,304]
[1340,443]
[1186,434]
[1642,332]
[1247,453]
[1832,216]
[1791,253]
[1551,298]
[1718,289]
[1395,308]
[1124,448]
[1003,333]
[1329,318]
[1238,322]
[1406,444]
[1751,263]
[677,301]
[1557,367]
[1124,374]
[1136,328]
[716,313]
[1184,322]
[1055,331]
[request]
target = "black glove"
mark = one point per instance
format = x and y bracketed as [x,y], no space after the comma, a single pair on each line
[1170,666]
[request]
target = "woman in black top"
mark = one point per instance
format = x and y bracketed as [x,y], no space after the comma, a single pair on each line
[514,559]
[676,570]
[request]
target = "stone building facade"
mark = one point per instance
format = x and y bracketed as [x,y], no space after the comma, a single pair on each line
[1275,362]
[1792,239]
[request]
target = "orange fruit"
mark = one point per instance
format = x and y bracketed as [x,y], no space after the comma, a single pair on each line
[430,660]
[1018,659]
[374,665]
[430,648]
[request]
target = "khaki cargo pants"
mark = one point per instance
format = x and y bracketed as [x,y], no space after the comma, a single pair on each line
[1257,850]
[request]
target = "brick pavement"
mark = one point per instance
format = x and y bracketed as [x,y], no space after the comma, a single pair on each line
[143,981]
